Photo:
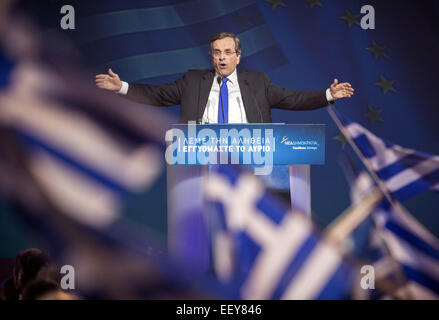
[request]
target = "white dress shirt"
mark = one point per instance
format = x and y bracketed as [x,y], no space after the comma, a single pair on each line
[236,107]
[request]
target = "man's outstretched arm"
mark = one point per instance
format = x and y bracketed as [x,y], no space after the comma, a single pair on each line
[306,100]
[110,81]
[341,90]
[160,95]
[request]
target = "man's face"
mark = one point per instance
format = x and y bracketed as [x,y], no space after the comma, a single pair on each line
[224,57]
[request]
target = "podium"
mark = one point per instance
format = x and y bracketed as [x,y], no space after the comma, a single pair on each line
[280,154]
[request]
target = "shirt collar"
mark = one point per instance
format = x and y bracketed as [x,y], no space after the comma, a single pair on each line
[233,78]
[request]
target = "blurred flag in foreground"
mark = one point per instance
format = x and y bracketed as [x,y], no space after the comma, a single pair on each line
[404,254]
[268,251]
[413,247]
[71,158]
[88,164]
[404,172]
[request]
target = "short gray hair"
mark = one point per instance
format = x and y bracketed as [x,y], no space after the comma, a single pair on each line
[222,35]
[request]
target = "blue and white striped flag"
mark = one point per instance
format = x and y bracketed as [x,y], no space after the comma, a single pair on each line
[157,41]
[414,248]
[405,172]
[274,254]
[76,166]
[404,254]
[88,156]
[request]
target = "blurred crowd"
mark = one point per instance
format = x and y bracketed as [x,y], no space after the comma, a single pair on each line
[34,277]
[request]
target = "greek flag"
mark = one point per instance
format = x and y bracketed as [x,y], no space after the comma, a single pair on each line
[404,254]
[74,164]
[405,172]
[88,153]
[414,248]
[157,41]
[272,253]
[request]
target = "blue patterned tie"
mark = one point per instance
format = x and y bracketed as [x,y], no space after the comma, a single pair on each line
[225,103]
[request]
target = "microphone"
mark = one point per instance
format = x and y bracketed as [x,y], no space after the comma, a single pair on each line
[205,118]
[256,102]
[240,108]
[218,79]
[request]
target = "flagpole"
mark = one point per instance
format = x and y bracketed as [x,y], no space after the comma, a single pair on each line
[346,134]
[403,212]
[380,184]
[352,217]
[347,221]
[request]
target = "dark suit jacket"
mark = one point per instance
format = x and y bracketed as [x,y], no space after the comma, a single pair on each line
[258,94]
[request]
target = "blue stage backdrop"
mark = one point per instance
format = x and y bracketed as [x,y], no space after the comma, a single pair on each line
[300,44]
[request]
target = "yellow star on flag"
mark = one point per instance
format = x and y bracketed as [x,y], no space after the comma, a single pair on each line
[350,18]
[340,137]
[313,3]
[373,115]
[275,3]
[386,84]
[378,51]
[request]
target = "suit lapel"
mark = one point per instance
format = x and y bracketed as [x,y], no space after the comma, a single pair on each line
[246,96]
[205,86]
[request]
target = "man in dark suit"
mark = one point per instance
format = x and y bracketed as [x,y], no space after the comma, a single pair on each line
[225,94]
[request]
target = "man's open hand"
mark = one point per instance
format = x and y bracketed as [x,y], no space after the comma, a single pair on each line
[341,90]
[108,81]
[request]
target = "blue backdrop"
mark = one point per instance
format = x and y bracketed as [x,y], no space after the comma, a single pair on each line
[300,44]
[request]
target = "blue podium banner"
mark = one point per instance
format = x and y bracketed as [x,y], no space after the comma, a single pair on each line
[248,144]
